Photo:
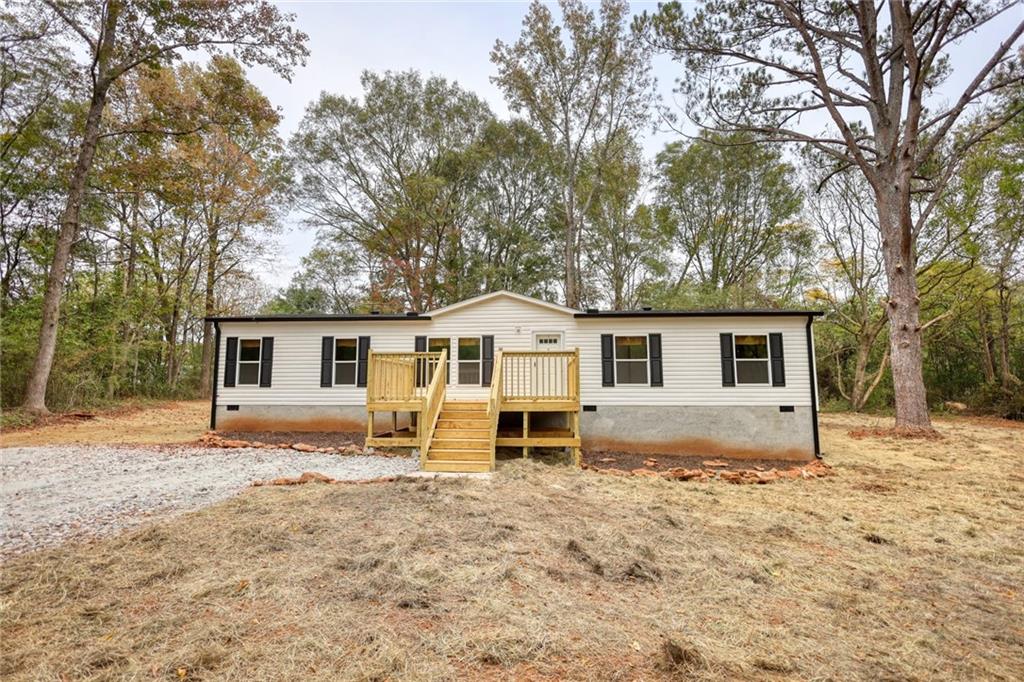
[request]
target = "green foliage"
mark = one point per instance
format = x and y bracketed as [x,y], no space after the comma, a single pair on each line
[168,220]
[731,209]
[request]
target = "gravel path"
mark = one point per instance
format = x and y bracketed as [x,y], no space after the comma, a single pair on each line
[54,493]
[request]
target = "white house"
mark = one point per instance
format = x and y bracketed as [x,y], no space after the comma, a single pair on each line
[711,382]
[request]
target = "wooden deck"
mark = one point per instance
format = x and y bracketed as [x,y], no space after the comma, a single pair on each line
[462,435]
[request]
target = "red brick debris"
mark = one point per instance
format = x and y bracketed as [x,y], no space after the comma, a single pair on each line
[814,469]
[215,440]
[316,476]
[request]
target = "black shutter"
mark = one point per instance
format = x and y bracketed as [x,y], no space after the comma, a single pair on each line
[607,360]
[654,355]
[728,368]
[364,352]
[266,361]
[420,346]
[487,355]
[326,361]
[775,353]
[230,361]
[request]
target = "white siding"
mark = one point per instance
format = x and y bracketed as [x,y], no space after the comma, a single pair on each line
[690,351]
[691,361]
[296,372]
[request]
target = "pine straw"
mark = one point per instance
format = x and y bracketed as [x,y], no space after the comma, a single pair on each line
[906,564]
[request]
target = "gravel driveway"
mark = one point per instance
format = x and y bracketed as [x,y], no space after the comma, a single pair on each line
[54,493]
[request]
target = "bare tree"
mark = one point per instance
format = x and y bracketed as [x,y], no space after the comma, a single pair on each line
[850,276]
[118,37]
[582,93]
[873,70]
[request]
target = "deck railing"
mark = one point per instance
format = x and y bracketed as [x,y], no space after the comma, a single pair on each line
[432,402]
[401,377]
[539,375]
[494,400]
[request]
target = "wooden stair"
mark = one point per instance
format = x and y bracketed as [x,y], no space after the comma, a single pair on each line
[462,439]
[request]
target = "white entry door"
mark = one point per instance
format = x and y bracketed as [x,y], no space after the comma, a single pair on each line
[547,379]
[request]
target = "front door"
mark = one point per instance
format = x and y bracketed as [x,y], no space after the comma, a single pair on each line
[546,378]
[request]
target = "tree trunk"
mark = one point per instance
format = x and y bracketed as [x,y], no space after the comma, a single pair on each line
[35,393]
[987,365]
[1007,379]
[572,294]
[208,309]
[903,309]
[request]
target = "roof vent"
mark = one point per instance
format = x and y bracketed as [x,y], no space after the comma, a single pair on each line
[411,313]
[646,308]
[592,310]
[375,312]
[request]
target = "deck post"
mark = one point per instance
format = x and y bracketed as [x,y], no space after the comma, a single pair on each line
[575,374]
[526,433]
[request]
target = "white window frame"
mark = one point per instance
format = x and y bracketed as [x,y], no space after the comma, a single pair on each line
[479,362]
[354,363]
[239,362]
[646,360]
[447,371]
[736,360]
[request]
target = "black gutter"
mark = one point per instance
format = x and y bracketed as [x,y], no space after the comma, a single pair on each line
[814,388]
[320,318]
[700,313]
[216,367]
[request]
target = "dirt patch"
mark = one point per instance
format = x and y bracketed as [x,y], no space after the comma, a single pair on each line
[628,461]
[546,572]
[697,447]
[233,421]
[896,432]
[173,422]
[315,438]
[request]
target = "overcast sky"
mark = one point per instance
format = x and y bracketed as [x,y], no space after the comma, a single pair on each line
[449,39]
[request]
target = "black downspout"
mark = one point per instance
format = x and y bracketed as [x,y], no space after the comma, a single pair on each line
[216,366]
[814,387]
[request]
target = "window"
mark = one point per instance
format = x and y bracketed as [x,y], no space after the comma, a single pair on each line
[751,359]
[249,361]
[469,360]
[631,359]
[345,361]
[436,345]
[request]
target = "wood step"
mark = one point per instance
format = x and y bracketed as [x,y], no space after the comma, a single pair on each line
[456,466]
[465,418]
[482,433]
[460,423]
[443,441]
[469,455]
[463,405]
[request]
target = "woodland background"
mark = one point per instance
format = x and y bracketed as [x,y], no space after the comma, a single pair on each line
[420,196]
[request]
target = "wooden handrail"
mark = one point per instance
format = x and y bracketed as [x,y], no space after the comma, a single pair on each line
[494,400]
[400,377]
[432,402]
[541,375]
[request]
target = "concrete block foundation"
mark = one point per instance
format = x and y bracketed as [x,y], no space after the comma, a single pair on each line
[350,418]
[745,432]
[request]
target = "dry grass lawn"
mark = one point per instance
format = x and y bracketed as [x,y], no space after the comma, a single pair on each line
[908,564]
[180,421]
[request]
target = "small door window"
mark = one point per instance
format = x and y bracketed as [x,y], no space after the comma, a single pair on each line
[548,341]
